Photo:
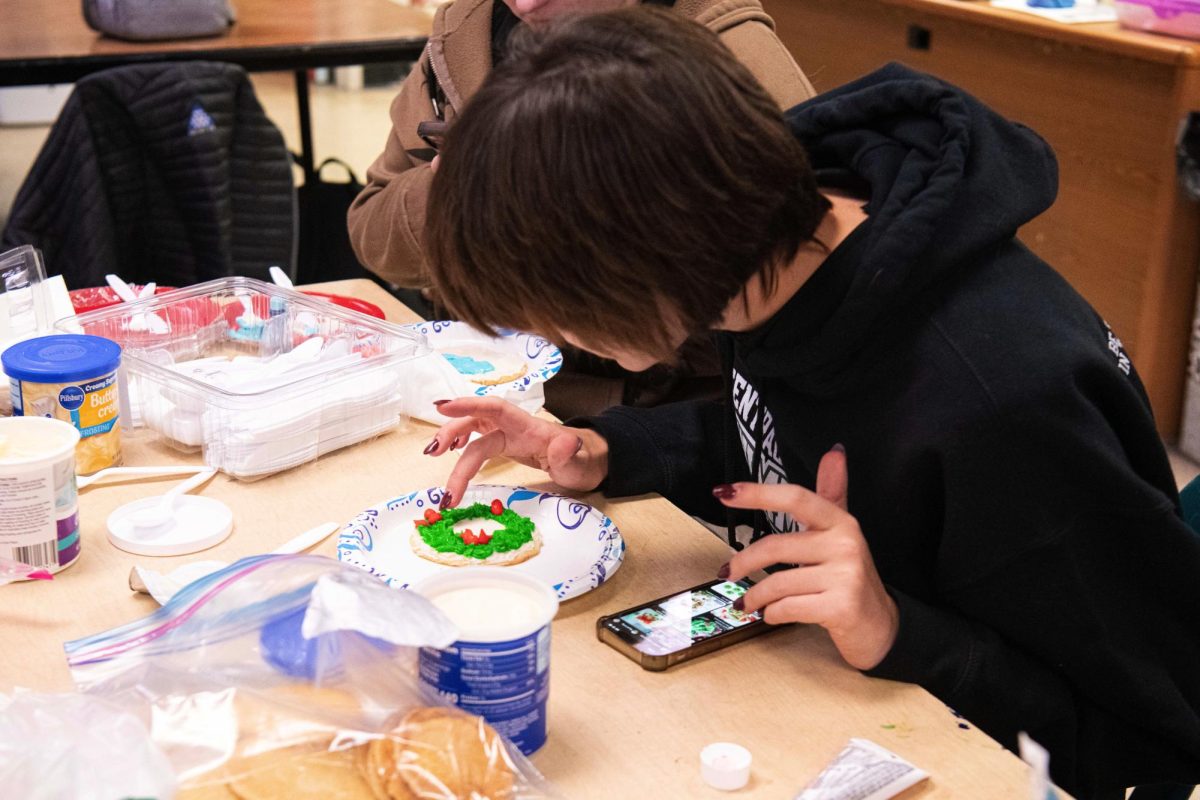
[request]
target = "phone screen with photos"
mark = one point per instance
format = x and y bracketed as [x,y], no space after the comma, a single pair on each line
[677,622]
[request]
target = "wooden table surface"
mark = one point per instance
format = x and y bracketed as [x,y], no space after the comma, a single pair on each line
[616,731]
[47,41]
[1109,36]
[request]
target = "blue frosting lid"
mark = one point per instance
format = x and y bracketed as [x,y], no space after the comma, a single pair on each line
[56,359]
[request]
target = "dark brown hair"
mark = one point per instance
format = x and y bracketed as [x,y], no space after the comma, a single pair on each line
[620,176]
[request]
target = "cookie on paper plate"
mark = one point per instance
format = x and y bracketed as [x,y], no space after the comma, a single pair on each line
[502,538]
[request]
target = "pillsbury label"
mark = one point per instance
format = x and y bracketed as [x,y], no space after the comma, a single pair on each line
[70,397]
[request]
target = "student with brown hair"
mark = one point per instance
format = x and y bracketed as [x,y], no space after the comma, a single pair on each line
[468,38]
[921,414]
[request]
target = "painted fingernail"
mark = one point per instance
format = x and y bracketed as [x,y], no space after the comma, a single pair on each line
[723,572]
[431,446]
[440,403]
[457,441]
[740,604]
[838,448]
[447,499]
[725,491]
[578,445]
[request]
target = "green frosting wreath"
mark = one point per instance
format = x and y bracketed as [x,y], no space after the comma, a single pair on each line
[441,536]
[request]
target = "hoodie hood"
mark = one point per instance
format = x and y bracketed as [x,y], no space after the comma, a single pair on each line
[947,179]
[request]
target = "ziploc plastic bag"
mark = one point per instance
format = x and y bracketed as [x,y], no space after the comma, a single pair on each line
[294,676]
[62,745]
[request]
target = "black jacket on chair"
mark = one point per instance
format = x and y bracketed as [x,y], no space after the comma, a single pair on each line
[168,172]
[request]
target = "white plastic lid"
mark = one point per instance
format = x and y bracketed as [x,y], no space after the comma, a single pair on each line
[197,523]
[725,766]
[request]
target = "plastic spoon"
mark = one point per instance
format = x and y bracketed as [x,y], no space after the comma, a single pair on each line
[280,277]
[160,514]
[162,586]
[84,481]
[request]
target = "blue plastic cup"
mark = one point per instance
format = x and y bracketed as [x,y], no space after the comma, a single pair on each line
[499,669]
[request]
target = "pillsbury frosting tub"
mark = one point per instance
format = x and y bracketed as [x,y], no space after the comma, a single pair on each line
[72,378]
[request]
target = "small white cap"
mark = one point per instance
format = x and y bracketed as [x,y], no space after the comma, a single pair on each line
[725,766]
[196,524]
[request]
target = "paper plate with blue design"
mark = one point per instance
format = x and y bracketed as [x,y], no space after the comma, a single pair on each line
[580,546]
[512,361]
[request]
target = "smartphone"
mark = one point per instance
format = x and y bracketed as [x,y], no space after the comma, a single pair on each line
[682,626]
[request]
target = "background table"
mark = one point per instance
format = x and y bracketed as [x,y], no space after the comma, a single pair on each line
[1110,102]
[47,41]
[615,730]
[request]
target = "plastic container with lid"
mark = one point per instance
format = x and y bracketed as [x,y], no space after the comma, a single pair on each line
[1172,17]
[258,377]
[72,378]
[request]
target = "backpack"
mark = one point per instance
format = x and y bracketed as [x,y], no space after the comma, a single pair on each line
[148,20]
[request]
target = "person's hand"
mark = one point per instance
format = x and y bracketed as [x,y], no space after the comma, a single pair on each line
[575,458]
[835,585]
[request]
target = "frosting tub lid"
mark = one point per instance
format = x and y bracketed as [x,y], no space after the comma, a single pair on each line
[66,357]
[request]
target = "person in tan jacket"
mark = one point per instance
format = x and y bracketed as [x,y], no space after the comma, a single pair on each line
[387,218]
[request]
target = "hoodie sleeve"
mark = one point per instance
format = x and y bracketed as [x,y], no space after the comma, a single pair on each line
[387,218]
[1067,586]
[675,449]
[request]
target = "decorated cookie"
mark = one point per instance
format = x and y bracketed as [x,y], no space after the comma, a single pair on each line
[437,539]
[488,369]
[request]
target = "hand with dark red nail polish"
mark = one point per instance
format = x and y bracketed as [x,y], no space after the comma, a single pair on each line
[431,446]
[725,491]
[447,500]
[723,572]
[836,584]
[482,428]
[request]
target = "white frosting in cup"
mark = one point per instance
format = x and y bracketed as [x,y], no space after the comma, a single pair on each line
[490,604]
[26,441]
[481,611]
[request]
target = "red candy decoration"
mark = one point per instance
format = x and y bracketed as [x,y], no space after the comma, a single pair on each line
[432,516]
[420,523]
[471,537]
[497,508]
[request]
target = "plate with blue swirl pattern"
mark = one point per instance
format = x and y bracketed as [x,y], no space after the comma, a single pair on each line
[511,362]
[580,546]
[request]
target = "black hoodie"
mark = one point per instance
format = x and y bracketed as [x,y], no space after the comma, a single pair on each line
[1004,464]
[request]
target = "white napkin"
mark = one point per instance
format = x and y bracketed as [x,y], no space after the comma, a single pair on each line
[432,377]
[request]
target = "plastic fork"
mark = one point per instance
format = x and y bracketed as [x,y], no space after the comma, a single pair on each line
[147,320]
